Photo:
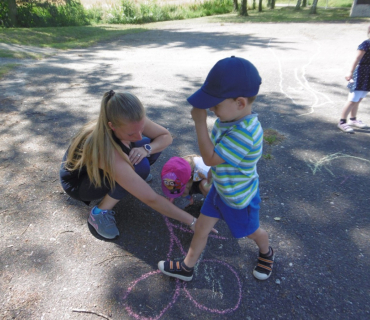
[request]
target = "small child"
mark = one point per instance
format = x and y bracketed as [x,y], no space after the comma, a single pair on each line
[184,177]
[232,152]
[359,85]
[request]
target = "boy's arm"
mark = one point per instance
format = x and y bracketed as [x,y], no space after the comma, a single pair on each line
[206,147]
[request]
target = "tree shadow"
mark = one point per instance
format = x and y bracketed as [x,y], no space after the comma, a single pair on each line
[316,183]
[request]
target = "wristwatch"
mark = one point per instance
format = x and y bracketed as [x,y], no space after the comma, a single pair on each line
[148,149]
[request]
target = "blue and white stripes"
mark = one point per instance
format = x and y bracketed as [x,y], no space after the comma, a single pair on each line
[240,145]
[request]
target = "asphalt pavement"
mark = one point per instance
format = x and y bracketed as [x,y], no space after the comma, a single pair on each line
[314,181]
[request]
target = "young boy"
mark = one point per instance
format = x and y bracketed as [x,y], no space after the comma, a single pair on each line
[232,152]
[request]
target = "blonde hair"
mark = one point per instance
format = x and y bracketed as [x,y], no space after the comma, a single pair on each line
[93,146]
[190,159]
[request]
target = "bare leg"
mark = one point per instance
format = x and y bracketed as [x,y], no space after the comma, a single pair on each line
[204,187]
[260,237]
[203,227]
[352,107]
[355,109]
[107,203]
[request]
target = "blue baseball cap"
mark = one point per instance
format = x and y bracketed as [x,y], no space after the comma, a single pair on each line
[229,78]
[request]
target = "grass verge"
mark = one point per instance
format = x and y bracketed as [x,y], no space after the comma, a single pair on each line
[85,36]
[6,68]
[288,14]
[321,3]
[65,37]
[20,55]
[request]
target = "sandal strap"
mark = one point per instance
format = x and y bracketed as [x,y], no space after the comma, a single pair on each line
[175,265]
[266,263]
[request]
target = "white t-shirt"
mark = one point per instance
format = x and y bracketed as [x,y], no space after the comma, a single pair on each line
[200,170]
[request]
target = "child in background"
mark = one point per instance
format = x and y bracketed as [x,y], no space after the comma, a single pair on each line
[232,152]
[183,177]
[359,85]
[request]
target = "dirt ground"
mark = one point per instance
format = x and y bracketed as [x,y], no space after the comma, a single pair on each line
[314,182]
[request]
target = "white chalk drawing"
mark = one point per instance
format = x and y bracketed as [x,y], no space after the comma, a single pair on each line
[300,74]
[325,162]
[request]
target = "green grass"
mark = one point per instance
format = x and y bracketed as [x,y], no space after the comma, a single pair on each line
[6,68]
[272,136]
[129,11]
[85,36]
[267,156]
[322,3]
[20,55]
[65,37]
[270,140]
[288,14]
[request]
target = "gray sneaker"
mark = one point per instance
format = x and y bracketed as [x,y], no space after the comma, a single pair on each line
[104,223]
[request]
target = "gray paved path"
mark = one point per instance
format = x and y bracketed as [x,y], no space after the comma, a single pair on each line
[52,266]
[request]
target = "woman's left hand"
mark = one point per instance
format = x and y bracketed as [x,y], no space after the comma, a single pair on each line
[137,154]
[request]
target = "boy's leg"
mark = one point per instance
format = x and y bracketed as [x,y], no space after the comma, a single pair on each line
[183,269]
[263,269]
[203,227]
[261,238]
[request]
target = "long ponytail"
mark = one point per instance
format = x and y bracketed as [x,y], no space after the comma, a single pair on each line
[94,147]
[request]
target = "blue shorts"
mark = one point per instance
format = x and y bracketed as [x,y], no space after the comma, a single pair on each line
[241,222]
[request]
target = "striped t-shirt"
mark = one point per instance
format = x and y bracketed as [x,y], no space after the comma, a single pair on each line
[239,143]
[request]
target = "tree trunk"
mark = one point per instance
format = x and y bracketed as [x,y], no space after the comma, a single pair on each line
[298,5]
[314,6]
[304,3]
[272,4]
[254,5]
[268,3]
[244,11]
[12,7]
[260,6]
[236,7]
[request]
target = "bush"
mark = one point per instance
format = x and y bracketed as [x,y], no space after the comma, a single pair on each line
[4,18]
[131,12]
[34,13]
[45,14]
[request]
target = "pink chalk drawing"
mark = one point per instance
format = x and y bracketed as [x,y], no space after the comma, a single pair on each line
[180,285]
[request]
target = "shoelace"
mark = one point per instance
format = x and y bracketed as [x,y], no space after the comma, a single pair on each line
[109,216]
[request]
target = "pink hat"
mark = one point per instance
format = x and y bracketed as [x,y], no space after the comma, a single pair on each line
[175,174]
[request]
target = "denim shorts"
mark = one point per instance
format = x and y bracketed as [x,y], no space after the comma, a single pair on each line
[241,222]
